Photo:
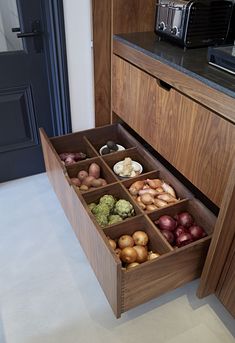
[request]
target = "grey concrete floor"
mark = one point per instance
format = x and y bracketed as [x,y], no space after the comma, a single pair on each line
[49,293]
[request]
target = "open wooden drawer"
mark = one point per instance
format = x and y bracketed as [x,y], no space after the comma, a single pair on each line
[124,288]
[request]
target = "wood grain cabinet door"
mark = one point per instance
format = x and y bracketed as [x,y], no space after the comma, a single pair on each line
[195,140]
[227,291]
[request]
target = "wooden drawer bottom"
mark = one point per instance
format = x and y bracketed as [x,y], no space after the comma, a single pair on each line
[174,267]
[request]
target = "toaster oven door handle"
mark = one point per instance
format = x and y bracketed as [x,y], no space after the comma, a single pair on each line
[164,85]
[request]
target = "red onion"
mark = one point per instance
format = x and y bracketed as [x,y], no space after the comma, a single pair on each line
[185,219]
[166,223]
[168,235]
[78,156]
[179,230]
[197,232]
[69,160]
[184,239]
[64,155]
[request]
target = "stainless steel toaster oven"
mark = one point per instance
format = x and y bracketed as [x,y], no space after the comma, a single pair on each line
[194,23]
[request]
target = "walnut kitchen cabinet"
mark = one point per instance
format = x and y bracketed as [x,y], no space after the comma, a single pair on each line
[112,17]
[184,119]
[191,124]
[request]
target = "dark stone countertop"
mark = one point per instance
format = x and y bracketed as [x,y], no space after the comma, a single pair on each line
[192,62]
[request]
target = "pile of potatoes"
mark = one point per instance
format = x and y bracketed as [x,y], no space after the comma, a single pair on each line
[88,180]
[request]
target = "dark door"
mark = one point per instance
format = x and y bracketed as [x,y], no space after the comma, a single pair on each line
[24,91]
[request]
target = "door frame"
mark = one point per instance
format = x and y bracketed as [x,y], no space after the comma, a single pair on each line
[56,63]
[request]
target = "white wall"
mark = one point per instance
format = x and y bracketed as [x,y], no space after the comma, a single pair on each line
[78,30]
[8,19]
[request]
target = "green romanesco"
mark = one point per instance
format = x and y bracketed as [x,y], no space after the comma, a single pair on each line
[124,208]
[102,219]
[114,219]
[109,200]
[101,209]
[92,206]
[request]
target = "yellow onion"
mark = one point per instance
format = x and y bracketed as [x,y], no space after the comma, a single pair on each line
[140,238]
[128,255]
[142,253]
[132,265]
[125,241]
[118,252]
[112,243]
[152,255]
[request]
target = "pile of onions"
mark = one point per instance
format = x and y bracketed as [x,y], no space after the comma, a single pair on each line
[180,230]
[133,249]
[69,158]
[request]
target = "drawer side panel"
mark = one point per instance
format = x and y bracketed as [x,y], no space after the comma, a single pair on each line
[170,272]
[101,258]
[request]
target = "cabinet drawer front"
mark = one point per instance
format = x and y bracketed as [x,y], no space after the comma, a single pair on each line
[192,138]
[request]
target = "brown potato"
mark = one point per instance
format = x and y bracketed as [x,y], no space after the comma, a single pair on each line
[96,183]
[75,181]
[104,182]
[94,170]
[82,175]
[88,180]
[83,188]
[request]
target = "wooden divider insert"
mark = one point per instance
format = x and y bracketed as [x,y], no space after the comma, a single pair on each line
[105,171]
[168,272]
[201,215]
[117,190]
[126,289]
[156,243]
[147,163]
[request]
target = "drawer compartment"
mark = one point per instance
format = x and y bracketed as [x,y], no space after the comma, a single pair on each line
[123,288]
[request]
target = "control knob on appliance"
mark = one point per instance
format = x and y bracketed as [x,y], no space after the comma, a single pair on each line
[162,26]
[174,30]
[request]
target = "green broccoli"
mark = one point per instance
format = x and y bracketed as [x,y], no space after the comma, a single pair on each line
[108,200]
[124,208]
[114,219]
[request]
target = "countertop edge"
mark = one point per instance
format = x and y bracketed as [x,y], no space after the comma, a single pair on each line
[209,83]
[187,84]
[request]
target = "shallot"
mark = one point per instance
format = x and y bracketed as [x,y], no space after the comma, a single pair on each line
[154,183]
[168,189]
[136,187]
[147,199]
[167,197]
